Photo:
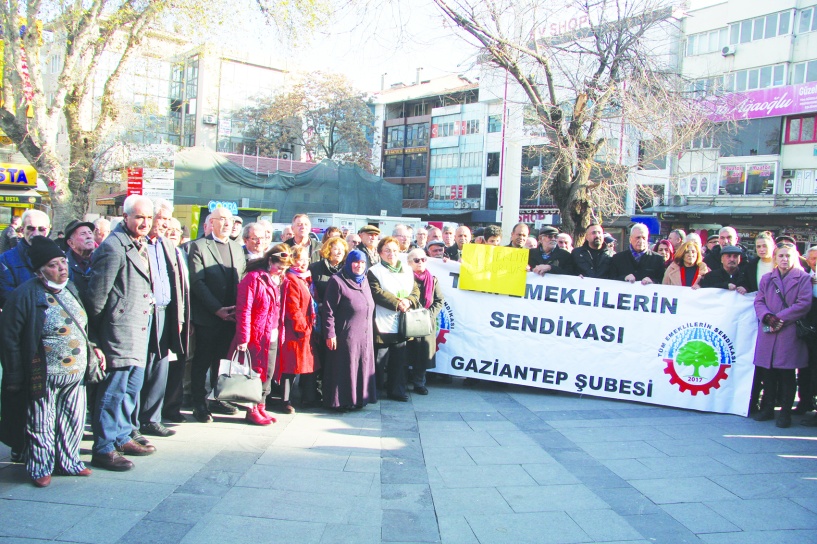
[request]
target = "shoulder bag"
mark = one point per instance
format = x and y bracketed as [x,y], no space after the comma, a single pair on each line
[415,323]
[803,329]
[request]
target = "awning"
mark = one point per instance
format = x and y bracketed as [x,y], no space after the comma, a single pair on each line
[734,210]
[113,199]
[410,212]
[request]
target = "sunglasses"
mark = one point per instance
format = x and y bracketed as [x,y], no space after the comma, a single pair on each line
[781,245]
[32,229]
[420,260]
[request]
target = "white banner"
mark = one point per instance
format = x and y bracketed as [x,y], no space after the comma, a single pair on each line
[647,343]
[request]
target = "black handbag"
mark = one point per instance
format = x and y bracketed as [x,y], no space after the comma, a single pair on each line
[93,371]
[237,381]
[414,323]
[802,328]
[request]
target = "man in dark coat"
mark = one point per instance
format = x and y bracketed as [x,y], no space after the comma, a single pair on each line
[216,266]
[9,238]
[119,302]
[637,262]
[547,258]
[727,236]
[79,236]
[369,237]
[728,274]
[591,259]
[462,236]
[302,226]
[15,265]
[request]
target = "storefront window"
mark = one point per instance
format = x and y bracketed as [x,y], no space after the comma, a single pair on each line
[747,179]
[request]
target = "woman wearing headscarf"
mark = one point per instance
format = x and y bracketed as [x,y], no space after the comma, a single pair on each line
[257,315]
[664,248]
[349,373]
[422,350]
[45,351]
[295,343]
[687,267]
[783,296]
[394,292]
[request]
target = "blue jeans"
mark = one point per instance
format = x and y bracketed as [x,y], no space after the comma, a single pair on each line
[117,398]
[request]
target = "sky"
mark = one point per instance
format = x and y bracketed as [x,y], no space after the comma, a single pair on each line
[396,37]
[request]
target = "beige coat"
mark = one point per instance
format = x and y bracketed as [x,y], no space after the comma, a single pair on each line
[673,274]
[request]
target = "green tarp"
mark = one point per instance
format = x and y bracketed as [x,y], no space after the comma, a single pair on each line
[203,175]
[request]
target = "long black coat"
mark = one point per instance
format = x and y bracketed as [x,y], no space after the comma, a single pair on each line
[585,265]
[560,260]
[651,265]
[212,284]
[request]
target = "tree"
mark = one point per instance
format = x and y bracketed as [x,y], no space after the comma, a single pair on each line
[81,34]
[324,114]
[585,66]
[697,354]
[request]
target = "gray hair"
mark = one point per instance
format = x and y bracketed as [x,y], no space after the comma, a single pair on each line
[249,227]
[728,230]
[449,228]
[133,200]
[812,249]
[162,204]
[397,228]
[640,227]
[101,221]
[416,253]
[36,213]
[693,237]
[680,232]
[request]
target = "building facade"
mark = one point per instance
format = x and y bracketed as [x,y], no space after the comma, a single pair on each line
[755,64]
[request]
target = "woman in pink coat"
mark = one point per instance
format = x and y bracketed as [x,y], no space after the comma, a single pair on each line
[257,315]
[299,311]
[783,296]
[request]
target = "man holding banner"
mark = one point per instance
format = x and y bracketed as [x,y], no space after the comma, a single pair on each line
[637,262]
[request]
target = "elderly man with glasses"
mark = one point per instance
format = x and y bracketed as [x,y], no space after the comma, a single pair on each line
[547,258]
[15,264]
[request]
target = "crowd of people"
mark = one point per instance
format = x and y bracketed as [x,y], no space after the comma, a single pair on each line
[138,302]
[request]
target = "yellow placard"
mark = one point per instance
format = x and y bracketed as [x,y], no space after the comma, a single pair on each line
[17,175]
[492,269]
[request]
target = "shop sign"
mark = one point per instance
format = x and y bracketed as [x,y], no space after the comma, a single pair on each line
[135,180]
[773,102]
[232,206]
[415,150]
[18,175]
[531,215]
[24,199]
[393,152]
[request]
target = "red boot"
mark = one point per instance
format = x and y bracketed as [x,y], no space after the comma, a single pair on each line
[261,409]
[255,418]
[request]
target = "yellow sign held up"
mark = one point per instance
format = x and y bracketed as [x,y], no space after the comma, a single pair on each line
[492,269]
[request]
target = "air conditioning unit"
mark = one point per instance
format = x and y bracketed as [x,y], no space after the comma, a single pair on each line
[286,156]
[788,173]
[458,204]
[475,205]
[729,50]
[209,120]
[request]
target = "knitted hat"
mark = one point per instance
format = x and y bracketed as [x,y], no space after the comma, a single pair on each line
[42,250]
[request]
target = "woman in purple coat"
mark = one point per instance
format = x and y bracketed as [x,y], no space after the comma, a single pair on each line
[783,297]
[349,376]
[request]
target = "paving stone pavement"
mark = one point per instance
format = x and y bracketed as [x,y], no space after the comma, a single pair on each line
[488,464]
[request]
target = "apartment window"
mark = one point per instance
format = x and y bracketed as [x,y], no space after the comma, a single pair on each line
[415,165]
[701,142]
[760,28]
[808,20]
[751,137]
[393,167]
[471,127]
[414,191]
[417,135]
[492,168]
[395,137]
[421,109]
[494,123]
[800,130]
[756,78]
[804,72]
[706,42]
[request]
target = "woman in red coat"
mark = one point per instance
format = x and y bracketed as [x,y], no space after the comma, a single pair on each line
[257,316]
[295,351]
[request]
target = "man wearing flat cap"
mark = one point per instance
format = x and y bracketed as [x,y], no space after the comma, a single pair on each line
[436,249]
[369,236]
[79,236]
[728,275]
[547,257]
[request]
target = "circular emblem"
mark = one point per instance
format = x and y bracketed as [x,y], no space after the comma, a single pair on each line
[704,185]
[693,185]
[698,356]
[788,186]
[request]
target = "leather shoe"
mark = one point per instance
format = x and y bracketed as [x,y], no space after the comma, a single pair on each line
[803,407]
[286,408]
[16,456]
[178,417]
[202,414]
[764,415]
[783,420]
[84,472]
[132,448]
[45,481]
[221,407]
[156,429]
[399,398]
[421,389]
[112,460]
[137,437]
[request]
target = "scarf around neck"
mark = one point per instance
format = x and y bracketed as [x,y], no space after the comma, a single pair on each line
[426,282]
[396,269]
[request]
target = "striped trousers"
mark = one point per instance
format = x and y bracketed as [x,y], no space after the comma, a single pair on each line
[54,427]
